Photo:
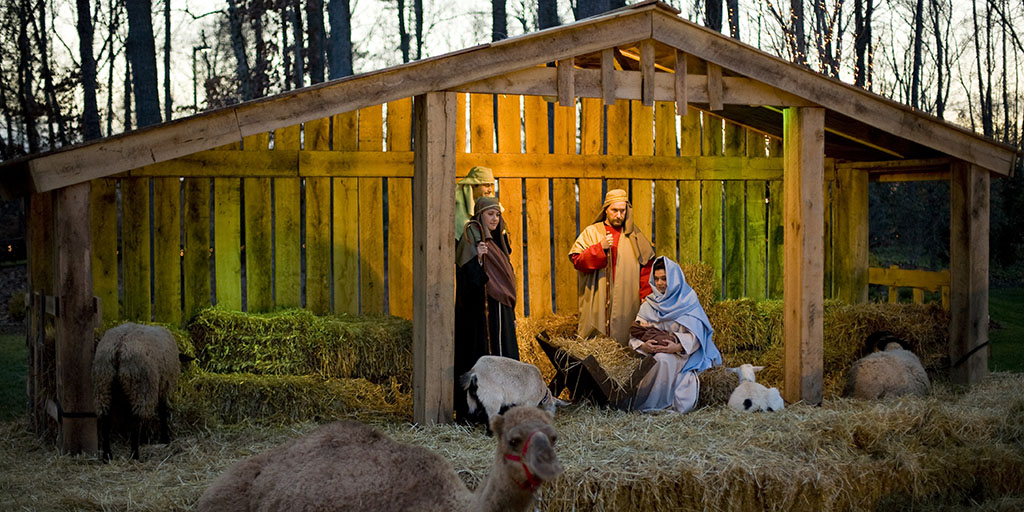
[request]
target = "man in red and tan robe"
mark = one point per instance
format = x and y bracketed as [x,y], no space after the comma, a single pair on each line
[614,260]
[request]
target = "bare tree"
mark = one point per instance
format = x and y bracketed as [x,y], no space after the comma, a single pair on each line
[547,14]
[734,17]
[417,12]
[297,41]
[167,60]
[588,8]
[238,46]
[26,85]
[316,50]
[339,50]
[499,20]
[403,33]
[142,54]
[984,88]
[863,10]
[260,81]
[915,80]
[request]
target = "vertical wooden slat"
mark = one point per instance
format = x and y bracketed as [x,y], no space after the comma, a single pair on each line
[371,218]
[618,140]
[735,222]
[590,202]
[564,214]
[968,272]
[591,143]
[510,190]
[689,192]
[827,238]
[804,138]
[287,228]
[642,131]
[103,222]
[259,225]
[851,236]
[197,245]
[227,242]
[755,252]
[538,213]
[345,212]
[711,205]
[775,231]
[167,250]
[135,247]
[433,269]
[39,224]
[481,123]
[665,207]
[460,123]
[318,224]
[77,318]
[400,214]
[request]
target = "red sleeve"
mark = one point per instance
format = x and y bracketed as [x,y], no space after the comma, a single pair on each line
[592,259]
[645,279]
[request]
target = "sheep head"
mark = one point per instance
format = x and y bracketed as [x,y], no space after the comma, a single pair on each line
[526,444]
[746,372]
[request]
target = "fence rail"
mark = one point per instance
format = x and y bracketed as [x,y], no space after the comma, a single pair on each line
[920,281]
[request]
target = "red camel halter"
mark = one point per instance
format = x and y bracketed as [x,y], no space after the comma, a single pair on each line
[532,483]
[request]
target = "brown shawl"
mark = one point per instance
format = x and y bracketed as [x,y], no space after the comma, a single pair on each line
[501,277]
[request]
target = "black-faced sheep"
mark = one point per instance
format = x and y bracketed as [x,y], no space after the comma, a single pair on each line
[892,372]
[134,371]
[750,396]
[350,466]
[497,382]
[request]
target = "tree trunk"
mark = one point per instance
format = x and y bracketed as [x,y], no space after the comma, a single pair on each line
[940,60]
[55,116]
[1007,122]
[547,14]
[713,14]
[260,82]
[315,53]
[417,11]
[499,20]
[167,60]
[915,77]
[297,36]
[588,8]
[127,93]
[238,46]
[111,30]
[734,18]
[339,51]
[403,34]
[142,54]
[286,51]
[26,87]
[799,42]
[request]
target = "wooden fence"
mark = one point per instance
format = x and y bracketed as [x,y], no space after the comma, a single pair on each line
[919,281]
[319,215]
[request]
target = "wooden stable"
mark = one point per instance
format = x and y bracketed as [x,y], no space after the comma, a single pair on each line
[732,157]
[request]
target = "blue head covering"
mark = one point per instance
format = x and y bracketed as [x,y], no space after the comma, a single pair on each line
[679,304]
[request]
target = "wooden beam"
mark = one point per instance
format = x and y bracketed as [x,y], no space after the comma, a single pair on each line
[74,342]
[648,72]
[608,76]
[715,86]
[680,83]
[542,81]
[566,82]
[894,276]
[851,236]
[885,166]
[231,124]
[904,177]
[433,257]
[968,272]
[803,281]
[866,107]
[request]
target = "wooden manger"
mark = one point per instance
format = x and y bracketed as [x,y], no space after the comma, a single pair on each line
[586,379]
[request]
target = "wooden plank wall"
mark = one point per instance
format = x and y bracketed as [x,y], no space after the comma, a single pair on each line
[339,238]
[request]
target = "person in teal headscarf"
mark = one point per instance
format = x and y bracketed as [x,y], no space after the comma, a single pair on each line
[673,328]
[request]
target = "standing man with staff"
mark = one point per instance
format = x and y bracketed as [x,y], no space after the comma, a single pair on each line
[614,260]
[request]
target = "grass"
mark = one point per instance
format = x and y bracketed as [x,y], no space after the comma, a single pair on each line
[13,375]
[1006,307]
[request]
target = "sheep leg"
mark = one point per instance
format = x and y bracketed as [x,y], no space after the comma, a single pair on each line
[165,429]
[135,427]
[104,432]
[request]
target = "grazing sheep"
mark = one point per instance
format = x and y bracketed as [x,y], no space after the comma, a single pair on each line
[350,466]
[749,396]
[892,372]
[134,371]
[495,382]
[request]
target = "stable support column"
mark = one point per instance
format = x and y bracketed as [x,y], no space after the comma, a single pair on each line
[803,267]
[851,230]
[433,266]
[76,318]
[968,272]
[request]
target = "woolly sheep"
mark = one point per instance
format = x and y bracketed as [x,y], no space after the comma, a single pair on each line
[497,382]
[134,371]
[892,372]
[350,466]
[749,396]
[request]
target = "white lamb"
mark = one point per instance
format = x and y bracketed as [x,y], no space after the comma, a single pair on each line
[750,396]
[497,382]
[350,466]
[892,372]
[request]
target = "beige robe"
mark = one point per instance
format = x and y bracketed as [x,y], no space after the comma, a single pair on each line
[625,288]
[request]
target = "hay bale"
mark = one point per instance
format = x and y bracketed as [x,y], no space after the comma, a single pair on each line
[701,277]
[716,386]
[296,342]
[527,330]
[618,362]
[209,399]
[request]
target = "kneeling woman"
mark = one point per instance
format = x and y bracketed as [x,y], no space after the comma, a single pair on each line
[672,327]
[485,296]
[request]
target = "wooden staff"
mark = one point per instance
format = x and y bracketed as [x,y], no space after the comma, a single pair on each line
[487,313]
[608,268]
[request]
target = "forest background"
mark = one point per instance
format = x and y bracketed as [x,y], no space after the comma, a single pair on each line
[74,70]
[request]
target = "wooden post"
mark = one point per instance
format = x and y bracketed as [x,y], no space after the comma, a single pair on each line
[433,257]
[76,319]
[39,245]
[647,71]
[851,236]
[803,281]
[566,83]
[968,272]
